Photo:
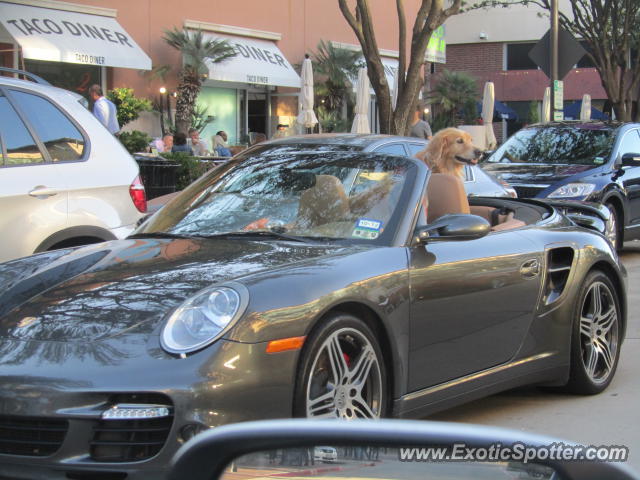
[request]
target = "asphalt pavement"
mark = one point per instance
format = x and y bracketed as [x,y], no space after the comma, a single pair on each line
[611,418]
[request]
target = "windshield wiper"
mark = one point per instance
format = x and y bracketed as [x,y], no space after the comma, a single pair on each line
[163,235]
[260,233]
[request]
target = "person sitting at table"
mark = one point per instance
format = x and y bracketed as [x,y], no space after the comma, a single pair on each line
[198,145]
[180,144]
[220,145]
[163,144]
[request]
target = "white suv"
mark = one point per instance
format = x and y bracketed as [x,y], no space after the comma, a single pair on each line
[64,179]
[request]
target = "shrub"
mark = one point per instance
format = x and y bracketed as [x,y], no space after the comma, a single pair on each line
[134,141]
[190,167]
[129,106]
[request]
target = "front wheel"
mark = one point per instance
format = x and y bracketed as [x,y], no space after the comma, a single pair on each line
[342,372]
[595,341]
[613,231]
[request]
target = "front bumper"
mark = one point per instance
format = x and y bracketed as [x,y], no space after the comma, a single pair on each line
[225,383]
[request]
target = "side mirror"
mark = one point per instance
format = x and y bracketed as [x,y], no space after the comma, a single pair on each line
[398,449]
[456,227]
[631,160]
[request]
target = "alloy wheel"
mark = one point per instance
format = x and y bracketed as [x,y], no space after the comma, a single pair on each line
[345,380]
[599,332]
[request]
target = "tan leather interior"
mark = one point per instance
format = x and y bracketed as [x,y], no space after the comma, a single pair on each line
[445,195]
[323,203]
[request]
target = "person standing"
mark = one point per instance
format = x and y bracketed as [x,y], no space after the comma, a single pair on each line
[420,127]
[104,109]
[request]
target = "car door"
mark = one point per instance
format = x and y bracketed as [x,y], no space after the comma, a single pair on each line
[472,304]
[630,143]
[395,148]
[33,199]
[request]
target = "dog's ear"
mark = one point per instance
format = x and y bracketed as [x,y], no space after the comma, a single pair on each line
[434,151]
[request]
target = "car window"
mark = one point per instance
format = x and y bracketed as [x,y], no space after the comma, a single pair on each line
[20,147]
[392,149]
[468,174]
[573,144]
[62,139]
[414,148]
[630,143]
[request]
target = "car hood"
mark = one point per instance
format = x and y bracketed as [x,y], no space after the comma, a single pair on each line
[126,286]
[536,173]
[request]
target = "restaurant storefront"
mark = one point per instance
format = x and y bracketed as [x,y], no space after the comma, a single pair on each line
[71,46]
[240,95]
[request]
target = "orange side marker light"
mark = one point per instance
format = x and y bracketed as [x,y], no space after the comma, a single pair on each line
[285,344]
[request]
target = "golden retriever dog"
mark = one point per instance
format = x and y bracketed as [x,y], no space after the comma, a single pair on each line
[448,152]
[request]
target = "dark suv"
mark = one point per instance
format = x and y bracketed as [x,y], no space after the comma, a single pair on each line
[591,161]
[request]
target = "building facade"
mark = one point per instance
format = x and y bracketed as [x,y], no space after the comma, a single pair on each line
[493,45]
[253,92]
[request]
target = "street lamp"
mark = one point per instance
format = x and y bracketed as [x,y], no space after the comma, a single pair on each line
[163,92]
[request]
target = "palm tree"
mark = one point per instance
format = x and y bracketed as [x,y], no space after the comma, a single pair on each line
[456,94]
[196,50]
[335,69]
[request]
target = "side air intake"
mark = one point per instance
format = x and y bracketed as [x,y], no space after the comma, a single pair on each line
[559,261]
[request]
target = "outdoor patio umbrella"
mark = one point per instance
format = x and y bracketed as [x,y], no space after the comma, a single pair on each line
[361,120]
[546,105]
[488,100]
[394,91]
[585,108]
[306,116]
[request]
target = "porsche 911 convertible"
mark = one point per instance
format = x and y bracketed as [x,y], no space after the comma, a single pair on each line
[326,285]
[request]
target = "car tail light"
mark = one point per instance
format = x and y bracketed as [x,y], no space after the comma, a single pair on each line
[138,195]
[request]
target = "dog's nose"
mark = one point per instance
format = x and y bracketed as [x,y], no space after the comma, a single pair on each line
[477,152]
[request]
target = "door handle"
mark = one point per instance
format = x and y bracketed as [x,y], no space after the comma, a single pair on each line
[42,191]
[530,268]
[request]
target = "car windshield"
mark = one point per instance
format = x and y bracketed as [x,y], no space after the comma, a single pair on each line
[338,196]
[581,144]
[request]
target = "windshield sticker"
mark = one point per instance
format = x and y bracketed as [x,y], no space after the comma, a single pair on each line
[367,228]
[598,160]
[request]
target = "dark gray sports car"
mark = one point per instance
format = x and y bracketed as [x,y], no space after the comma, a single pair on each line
[296,284]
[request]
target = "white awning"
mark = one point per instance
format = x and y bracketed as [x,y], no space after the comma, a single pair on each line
[72,37]
[257,61]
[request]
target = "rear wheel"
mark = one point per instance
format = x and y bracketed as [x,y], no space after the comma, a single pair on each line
[342,372]
[595,341]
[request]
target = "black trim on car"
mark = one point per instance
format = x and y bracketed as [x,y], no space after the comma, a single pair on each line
[75,232]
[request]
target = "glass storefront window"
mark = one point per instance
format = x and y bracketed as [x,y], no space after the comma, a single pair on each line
[70,76]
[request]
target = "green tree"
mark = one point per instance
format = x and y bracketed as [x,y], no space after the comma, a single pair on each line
[534,117]
[128,105]
[333,71]
[431,14]
[196,51]
[455,96]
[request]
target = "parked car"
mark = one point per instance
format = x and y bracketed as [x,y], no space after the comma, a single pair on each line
[591,161]
[325,454]
[477,182]
[294,284]
[65,180]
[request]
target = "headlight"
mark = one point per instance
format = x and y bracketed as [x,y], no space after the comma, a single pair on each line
[572,190]
[203,318]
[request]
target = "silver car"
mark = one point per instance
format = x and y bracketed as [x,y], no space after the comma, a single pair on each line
[477,182]
[64,179]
